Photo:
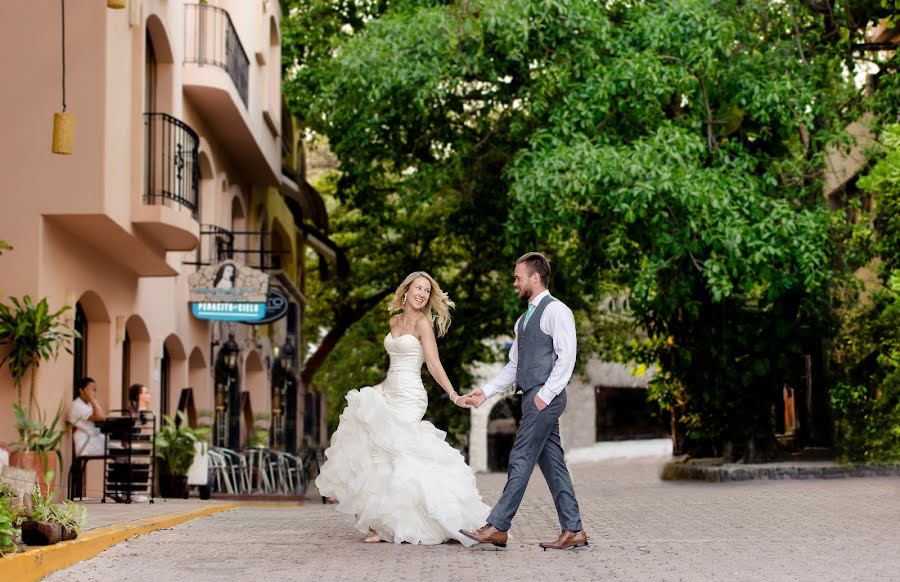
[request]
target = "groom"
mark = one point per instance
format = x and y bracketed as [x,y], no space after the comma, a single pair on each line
[541,361]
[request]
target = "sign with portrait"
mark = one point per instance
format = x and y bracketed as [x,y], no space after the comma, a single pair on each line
[229,291]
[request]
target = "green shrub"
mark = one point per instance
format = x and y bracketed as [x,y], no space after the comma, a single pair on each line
[67,513]
[9,517]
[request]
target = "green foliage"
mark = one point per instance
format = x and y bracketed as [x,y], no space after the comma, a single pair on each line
[9,518]
[866,402]
[668,153]
[175,444]
[40,437]
[259,438]
[36,334]
[71,516]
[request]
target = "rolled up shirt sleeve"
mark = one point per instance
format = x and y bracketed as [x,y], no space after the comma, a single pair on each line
[559,323]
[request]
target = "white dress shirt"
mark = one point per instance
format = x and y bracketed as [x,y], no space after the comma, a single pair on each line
[558,322]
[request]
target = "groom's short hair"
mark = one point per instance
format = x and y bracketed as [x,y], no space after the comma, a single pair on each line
[536,263]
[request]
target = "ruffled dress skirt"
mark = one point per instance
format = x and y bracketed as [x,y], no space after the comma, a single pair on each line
[395,474]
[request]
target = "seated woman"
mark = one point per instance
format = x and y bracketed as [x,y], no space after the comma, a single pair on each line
[138,400]
[83,413]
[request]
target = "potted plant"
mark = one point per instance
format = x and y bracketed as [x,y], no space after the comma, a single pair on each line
[37,440]
[175,447]
[35,335]
[49,523]
[9,518]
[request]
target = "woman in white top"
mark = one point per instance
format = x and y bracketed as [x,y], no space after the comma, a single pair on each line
[83,413]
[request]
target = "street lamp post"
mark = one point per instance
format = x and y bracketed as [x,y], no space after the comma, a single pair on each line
[283,423]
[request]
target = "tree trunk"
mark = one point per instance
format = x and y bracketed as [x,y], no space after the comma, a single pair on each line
[346,317]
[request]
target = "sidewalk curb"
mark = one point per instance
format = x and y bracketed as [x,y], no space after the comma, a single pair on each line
[677,471]
[36,563]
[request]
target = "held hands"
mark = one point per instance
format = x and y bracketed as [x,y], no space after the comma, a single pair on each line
[461,401]
[473,399]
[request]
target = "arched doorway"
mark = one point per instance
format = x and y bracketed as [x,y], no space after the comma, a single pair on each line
[172,374]
[79,347]
[198,380]
[92,358]
[256,387]
[92,350]
[503,423]
[136,362]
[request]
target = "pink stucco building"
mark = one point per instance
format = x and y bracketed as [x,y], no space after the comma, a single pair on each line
[182,156]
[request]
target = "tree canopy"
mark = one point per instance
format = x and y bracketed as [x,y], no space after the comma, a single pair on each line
[670,152]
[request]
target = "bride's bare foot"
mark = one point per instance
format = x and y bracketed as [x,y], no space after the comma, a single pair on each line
[372,539]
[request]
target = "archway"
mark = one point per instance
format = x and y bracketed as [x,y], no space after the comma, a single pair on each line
[256,386]
[282,249]
[503,422]
[92,358]
[158,67]
[198,380]
[173,374]
[207,194]
[92,352]
[136,360]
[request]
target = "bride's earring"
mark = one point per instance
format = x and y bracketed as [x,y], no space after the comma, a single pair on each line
[404,300]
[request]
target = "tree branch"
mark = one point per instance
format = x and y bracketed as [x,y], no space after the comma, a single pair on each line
[345,318]
[710,140]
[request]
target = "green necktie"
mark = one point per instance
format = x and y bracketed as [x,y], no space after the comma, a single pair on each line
[531,308]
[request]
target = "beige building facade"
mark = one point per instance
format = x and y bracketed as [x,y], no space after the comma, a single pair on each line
[182,157]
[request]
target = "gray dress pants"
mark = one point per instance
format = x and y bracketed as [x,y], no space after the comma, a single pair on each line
[537,442]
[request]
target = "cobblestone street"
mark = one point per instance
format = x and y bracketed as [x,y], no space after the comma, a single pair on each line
[640,529]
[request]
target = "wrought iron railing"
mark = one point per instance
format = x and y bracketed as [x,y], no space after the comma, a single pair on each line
[172,171]
[210,39]
[251,248]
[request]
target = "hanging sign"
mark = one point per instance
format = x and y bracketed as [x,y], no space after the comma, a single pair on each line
[229,292]
[276,307]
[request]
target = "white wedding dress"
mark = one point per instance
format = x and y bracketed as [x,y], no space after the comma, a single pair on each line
[392,471]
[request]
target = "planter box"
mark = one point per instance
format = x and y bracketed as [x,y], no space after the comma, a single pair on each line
[42,533]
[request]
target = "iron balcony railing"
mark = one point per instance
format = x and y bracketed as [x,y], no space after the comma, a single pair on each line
[210,39]
[172,171]
[253,247]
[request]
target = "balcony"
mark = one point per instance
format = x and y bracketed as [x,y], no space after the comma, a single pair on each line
[216,81]
[212,40]
[168,216]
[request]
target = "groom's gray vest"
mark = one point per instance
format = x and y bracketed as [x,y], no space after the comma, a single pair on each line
[536,354]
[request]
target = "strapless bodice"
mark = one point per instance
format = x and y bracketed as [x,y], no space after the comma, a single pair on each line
[406,354]
[403,388]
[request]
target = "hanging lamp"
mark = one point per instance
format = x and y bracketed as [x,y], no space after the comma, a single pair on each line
[63,122]
[115,4]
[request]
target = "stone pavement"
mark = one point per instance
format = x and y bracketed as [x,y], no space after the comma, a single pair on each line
[640,528]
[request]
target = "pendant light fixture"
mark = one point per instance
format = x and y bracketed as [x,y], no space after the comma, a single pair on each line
[63,122]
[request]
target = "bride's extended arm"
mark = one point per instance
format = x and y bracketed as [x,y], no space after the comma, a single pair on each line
[433,359]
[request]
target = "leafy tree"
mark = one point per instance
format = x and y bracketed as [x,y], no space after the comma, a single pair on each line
[667,152]
[866,400]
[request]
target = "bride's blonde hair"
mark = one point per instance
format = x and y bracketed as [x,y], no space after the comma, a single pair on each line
[437,308]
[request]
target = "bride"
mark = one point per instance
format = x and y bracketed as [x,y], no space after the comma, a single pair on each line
[389,469]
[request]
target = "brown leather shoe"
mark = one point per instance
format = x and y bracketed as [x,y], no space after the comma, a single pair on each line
[487,534]
[567,539]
